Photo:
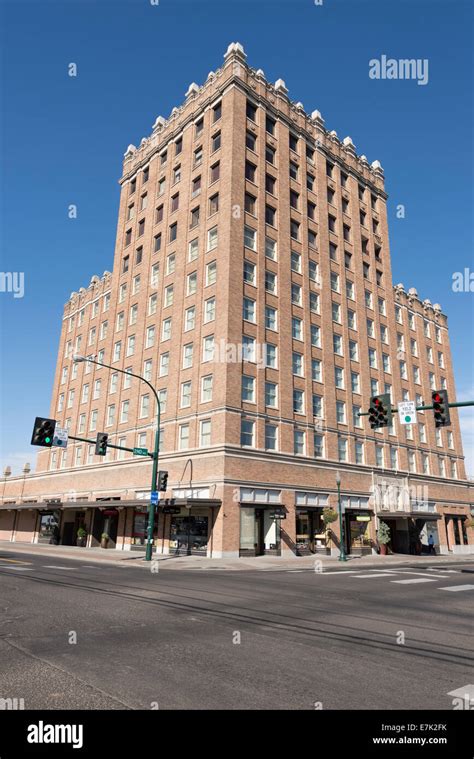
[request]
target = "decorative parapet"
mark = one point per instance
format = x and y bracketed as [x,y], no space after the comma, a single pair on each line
[97,286]
[411,299]
[235,68]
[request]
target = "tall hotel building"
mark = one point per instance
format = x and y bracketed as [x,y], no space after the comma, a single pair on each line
[252,286]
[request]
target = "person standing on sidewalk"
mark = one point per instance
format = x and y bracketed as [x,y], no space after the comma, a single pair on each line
[431,548]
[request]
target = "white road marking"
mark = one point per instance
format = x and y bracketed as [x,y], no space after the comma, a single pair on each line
[338,572]
[16,569]
[459,587]
[414,579]
[385,574]
[54,566]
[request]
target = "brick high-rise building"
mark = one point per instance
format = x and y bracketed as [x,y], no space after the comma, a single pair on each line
[252,287]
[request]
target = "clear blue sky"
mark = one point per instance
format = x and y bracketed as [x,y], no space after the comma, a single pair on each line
[62,142]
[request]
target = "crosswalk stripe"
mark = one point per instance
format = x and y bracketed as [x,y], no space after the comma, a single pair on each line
[414,580]
[455,588]
[385,574]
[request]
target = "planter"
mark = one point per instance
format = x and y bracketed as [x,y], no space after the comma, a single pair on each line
[104,543]
[383,549]
[81,542]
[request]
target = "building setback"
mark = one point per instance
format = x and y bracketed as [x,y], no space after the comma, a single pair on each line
[252,287]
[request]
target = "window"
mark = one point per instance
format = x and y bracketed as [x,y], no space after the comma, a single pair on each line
[163,397]
[96,393]
[176,174]
[293,141]
[356,419]
[215,172]
[164,364]
[295,262]
[270,248]
[128,237]
[298,401]
[271,394]
[249,310]
[209,310]
[296,294]
[216,112]
[250,141]
[334,282]
[314,302]
[166,329]
[271,433]
[386,362]
[211,273]
[198,127]
[310,182]
[340,412]
[332,224]
[247,433]
[208,348]
[313,272]
[152,304]
[270,184]
[315,336]
[206,389]
[353,350]
[329,169]
[131,345]
[350,290]
[141,227]
[317,404]
[294,230]
[147,369]
[337,344]
[144,406]
[133,186]
[250,171]
[297,364]
[191,283]
[366,270]
[270,154]
[205,433]
[270,318]
[124,410]
[125,264]
[339,377]
[251,111]
[183,440]
[372,358]
[197,157]
[342,449]
[212,239]
[271,356]
[351,319]
[336,312]
[117,351]
[250,203]
[195,213]
[403,370]
[379,457]
[250,238]
[189,318]
[318,441]
[299,443]
[422,432]
[383,333]
[359,452]
[297,328]
[185,395]
[270,125]
[368,299]
[249,273]
[270,282]
[393,457]
[113,383]
[193,249]
[355,382]
[270,216]
[150,336]
[215,142]
[294,199]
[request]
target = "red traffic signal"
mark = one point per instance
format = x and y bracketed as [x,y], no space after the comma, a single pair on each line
[380,411]
[440,408]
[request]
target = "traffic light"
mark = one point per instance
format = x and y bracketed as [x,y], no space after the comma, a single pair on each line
[101,444]
[380,411]
[43,432]
[441,408]
[162,480]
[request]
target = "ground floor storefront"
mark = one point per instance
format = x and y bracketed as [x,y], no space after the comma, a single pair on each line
[231,520]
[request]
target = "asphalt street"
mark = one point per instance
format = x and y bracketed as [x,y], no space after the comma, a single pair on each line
[79,636]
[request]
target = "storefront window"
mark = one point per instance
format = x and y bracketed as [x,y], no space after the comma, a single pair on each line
[189,534]
[247,529]
[140,520]
[49,527]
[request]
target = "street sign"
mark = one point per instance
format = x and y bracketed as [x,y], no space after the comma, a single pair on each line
[407,412]
[154,497]
[60,437]
[140,451]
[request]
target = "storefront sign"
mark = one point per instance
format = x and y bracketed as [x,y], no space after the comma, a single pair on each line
[277,515]
[360,518]
[171,510]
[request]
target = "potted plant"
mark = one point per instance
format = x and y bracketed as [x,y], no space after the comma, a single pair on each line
[104,540]
[81,537]
[329,516]
[383,537]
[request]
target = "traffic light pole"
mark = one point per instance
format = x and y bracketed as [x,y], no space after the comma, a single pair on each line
[426,408]
[154,455]
[109,445]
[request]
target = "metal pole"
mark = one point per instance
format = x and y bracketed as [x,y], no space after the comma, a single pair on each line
[156,451]
[342,552]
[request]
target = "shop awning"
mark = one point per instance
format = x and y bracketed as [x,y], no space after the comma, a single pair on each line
[428,516]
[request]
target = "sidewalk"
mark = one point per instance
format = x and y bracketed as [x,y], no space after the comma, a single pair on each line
[136,559]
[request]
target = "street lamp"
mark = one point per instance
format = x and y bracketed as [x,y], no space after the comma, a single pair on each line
[342,552]
[154,475]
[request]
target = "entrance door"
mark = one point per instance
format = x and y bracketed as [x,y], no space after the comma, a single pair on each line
[259,532]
